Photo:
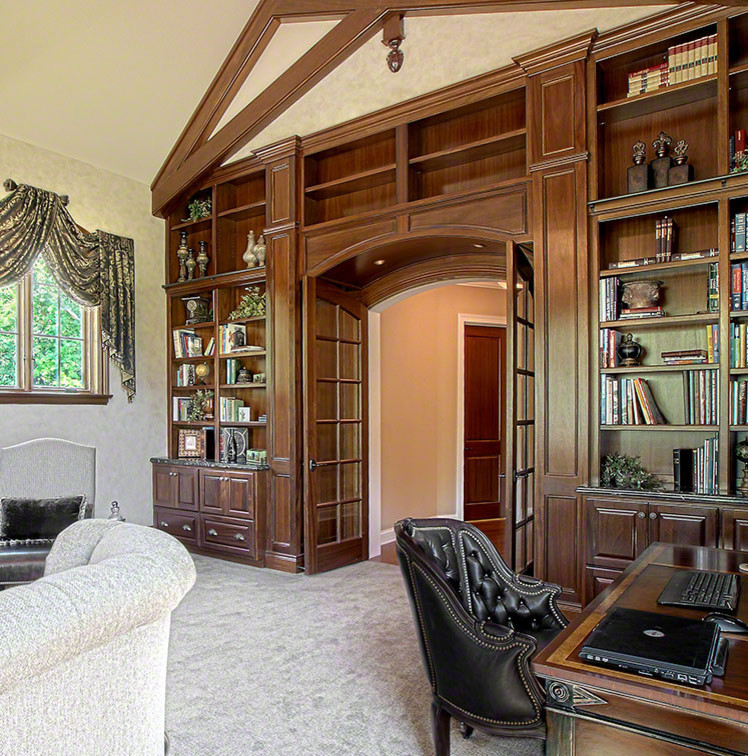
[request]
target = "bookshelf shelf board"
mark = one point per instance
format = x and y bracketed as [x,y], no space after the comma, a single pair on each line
[194,423]
[739,256]
[354,182]
[658,369]
[203,358]
[661,99]
[663,322]
[739,427]
[736,70]
[192,225]
[242,385]
[673,265]
[466,153]
[195,387]
[252,424]
[739,313]
[253,353]
[212,324]
[666,428]
[230,278]
[244,320]
[243,212]
[738,371]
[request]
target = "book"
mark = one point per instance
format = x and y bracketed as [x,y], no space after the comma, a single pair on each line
[186,343]
[683,470]
[232,337]
[736,276]
[713,287]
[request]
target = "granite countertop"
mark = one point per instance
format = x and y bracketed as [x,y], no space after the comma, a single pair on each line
[741,501]
[195,462]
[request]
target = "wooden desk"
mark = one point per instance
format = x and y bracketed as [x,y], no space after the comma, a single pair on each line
[595,711]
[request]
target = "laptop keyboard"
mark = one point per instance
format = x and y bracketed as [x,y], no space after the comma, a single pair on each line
[705,590]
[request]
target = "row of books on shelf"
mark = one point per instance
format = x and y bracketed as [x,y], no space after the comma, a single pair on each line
[188,344]
[186,375]
[685,357]
[739,286]
[180,409]
[610,339]
[701,397]
[628,401]
[738,402]
[664,239]
[697,470]
[234,410]
[687,61]
[232,337]
[640,262]
[738,345]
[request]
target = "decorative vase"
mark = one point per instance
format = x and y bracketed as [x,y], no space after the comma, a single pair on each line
[202,258]
[260,250]
[629,352]
[249,256]
[638,294]
[182,254]
[190,264]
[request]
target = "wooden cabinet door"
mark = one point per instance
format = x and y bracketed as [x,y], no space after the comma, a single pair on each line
[616,532]
[240,498]
[597,581]
[735,529]
[683,524]
[213,492]
[163,490]
[184,483]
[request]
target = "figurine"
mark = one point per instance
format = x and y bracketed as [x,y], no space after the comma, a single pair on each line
[190,264]
[244,376]
[260,250]
[662,164]
[249,255]
[681,172]
[662,144]
[202,258]
[182,253]
[115,513]
[639,174]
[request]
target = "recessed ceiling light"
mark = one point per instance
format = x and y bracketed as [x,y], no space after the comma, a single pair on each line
[479,246]
[378,262]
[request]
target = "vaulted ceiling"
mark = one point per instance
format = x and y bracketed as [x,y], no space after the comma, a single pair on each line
[113,84]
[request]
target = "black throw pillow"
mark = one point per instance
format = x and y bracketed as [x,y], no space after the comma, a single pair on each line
[38,519]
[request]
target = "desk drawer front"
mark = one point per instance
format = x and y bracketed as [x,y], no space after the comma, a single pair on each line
[227,535]
[182,526]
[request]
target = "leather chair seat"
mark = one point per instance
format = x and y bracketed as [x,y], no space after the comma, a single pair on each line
[542,637]
[22,563]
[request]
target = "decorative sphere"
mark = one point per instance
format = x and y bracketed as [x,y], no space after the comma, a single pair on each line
[202,370]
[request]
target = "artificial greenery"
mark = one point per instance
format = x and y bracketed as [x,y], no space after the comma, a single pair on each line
[200,207]
[251,305]
[623,471]
[196,409]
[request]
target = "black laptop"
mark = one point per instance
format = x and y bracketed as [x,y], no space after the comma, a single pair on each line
[655,645]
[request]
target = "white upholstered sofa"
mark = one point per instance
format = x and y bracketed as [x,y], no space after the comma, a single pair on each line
[83,650]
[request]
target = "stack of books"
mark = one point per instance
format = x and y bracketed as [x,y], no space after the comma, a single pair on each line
[701,397]
[180,406]
[737,151]
[738,231]
[712,287]
[697,470]
[692,60]
[628,401]
[230,408]
[648,79]
[738,354]
[685,357]
[187,343]
[739,286]
[635,313]
[665,229]
[712,342]
[738,402]
[639,262]
[609,341]
[186,375]
[609,298]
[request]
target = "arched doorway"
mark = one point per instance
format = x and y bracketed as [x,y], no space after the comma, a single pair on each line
[336,302]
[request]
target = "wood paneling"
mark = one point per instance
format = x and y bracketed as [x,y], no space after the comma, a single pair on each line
[735,529]
[561,549]
[597,580]
[320,248]
[616,532]
[686,525]
[557,133]
[162,487]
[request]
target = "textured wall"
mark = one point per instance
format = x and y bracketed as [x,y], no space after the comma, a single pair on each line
[419,398]
[125,436]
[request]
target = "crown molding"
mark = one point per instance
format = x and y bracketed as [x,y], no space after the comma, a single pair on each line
[557,54]
[278,150]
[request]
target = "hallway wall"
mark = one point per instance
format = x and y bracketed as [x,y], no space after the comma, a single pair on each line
[419,364]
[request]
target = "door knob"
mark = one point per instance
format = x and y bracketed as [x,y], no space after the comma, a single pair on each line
[239,537]
[313,465]
[187,528]
[653,515]
[641,515]
[164,524]
[213,532]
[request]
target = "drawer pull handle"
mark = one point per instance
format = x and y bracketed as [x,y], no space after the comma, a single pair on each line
[213,532]
[187,528]
[641,515]
[239,537]
[653,515]
[164,524]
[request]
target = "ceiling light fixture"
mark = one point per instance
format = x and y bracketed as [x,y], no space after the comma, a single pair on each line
[378,262]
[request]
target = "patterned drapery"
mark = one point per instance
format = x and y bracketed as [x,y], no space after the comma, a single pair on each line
[95,270]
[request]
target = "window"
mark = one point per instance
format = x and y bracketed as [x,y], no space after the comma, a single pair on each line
[50,346]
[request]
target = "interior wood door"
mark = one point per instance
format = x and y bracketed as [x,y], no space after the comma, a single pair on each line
[336,508]
[519,507]
[483,453]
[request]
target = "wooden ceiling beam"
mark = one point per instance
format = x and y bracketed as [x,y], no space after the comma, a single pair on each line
[337,45]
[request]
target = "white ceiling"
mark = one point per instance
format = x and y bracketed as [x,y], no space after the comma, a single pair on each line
[114,83]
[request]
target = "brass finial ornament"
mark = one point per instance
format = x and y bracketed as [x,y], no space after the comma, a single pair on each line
[680,151]
[640,153]
[392,37]
[662,144]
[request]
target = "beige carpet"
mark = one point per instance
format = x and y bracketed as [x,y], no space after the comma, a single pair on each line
[266,663]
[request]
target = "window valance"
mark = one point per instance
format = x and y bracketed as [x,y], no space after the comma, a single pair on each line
[94,269]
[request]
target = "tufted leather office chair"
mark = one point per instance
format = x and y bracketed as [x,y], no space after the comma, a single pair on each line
[478,625]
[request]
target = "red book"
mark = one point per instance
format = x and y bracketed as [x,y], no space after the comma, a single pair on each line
[740,141]
[737,286]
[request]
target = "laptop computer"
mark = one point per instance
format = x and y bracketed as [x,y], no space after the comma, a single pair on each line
[654,645]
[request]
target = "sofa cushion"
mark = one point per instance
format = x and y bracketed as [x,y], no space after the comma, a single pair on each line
[38,520]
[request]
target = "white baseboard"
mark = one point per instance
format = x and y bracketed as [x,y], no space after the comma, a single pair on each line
[388,536]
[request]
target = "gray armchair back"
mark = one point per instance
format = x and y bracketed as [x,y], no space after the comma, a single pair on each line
[48,468]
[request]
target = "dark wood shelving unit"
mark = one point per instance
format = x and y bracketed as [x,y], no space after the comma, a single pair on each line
[657,369]
[191,225]
[466,153]
[353,183]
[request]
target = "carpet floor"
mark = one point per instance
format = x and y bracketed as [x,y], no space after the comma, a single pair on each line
[328,665]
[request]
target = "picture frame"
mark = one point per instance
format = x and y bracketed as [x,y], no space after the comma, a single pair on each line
[191,444]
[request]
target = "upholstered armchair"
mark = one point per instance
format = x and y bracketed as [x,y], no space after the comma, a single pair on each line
[479,625]
[45,468]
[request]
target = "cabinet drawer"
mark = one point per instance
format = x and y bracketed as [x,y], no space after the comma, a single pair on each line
[180,525]
[227,535]
[597,580]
